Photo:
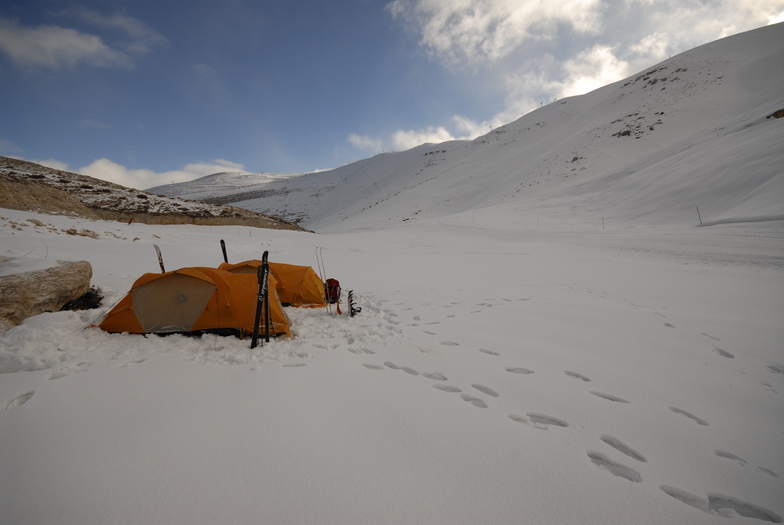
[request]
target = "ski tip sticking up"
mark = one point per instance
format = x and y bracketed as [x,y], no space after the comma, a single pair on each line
[160,257]
[223,248]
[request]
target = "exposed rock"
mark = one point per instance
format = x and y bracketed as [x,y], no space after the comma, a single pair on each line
[17,194]
[31,187]
[30,293]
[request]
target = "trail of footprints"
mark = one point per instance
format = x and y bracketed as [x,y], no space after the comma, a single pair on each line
[713,504]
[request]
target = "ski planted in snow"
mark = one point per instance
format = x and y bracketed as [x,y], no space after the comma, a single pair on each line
[160,257]
[262,302]
[223,248]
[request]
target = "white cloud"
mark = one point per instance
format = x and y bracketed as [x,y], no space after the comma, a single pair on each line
[140,179]
[403,140]
[9,147]
[55,47]
[592,69]
[365,143]
[52,163]
[476,30]
[142,37]
[540,50]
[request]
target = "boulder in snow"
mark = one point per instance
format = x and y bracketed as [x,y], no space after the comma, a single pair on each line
[28,288]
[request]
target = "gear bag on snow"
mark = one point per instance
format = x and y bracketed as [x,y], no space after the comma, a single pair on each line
[333,291]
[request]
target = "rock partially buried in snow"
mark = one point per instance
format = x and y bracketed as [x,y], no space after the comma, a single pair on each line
[32,287]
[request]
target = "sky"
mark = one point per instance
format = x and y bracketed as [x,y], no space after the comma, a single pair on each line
[145,93]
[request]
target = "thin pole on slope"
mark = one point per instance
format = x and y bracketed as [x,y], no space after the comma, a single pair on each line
[223,248]
[323,275]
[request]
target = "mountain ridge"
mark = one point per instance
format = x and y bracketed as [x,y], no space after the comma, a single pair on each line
[696,121]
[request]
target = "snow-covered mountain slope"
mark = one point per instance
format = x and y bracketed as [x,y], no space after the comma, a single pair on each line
[688,132]
[29,186]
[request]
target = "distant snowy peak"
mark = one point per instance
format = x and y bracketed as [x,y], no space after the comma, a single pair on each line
[690,131]
[218,185]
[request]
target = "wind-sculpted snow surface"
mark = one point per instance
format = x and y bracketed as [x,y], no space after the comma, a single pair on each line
[489,375]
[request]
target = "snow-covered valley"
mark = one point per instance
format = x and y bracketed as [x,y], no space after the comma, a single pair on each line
[536,344]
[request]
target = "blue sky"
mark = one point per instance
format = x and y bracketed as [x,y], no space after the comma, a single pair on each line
[149,92]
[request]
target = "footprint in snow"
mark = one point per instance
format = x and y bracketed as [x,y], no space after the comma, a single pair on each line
[19,400]
[485,390]
[730,456]
[390,364]
[368,351]
[767,471]
[356,351]
[724,353]
[473,400]
[294,365]
[489,352]
[539,421]
[137,362]
[618,445]
[449,343]
[668,325]
[428,332]
[518,370]
[74,369]
[724,506]
[409,370]
[373,367]
[690,416]
[435,376]
[609,397]
[616,469]
[776,369]
[577,376]
[447,388]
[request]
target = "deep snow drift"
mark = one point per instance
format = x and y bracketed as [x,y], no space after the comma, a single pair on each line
[501,371]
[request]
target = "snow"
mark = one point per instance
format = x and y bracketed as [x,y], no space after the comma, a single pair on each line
[514,360]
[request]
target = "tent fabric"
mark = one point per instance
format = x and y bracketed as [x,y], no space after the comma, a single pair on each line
[193,300]
[296,285]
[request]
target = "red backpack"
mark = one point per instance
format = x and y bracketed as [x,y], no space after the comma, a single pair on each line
[333,291]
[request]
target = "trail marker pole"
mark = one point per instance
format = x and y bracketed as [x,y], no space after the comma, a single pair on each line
[698,215]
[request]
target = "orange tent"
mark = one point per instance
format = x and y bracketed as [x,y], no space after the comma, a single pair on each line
[194,300]
[296,285]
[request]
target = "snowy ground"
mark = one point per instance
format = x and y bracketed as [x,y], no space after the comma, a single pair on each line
[547,336]
[507,375]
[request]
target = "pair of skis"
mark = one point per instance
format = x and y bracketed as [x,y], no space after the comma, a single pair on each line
[262,299]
